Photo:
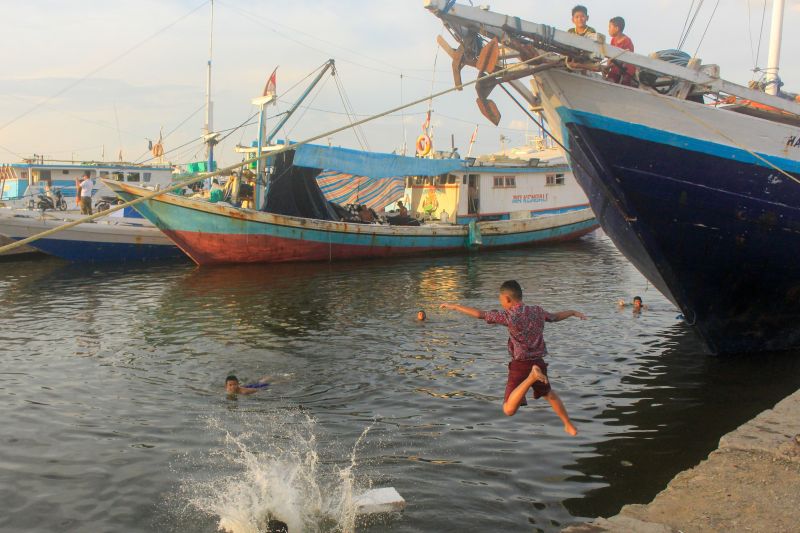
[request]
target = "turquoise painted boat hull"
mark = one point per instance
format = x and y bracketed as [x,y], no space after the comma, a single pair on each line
[212,233]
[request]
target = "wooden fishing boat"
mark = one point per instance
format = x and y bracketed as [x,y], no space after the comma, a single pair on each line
[297,223]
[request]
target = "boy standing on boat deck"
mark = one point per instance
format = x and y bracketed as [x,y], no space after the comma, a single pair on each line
[526,346]
[580,16]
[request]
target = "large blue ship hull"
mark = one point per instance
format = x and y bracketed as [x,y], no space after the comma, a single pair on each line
[717,235]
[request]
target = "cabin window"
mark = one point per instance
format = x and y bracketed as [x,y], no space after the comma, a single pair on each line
[442,180]
[65,171]
[44,175]
[409,181]
[451,179]
[146,176]
[555,179]
[103,173]
[419,180]
[24,174]
[464,179]
[133,177]
[505,182]
[118,176]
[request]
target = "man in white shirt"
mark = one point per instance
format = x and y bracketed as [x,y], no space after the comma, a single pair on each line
[86,194]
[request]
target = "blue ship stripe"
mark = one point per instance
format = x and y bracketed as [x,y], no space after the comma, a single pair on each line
[647,133]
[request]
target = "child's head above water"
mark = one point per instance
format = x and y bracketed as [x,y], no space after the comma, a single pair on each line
[510,294]
[232,384]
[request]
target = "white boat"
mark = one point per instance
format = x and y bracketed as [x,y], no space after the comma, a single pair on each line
[108,239]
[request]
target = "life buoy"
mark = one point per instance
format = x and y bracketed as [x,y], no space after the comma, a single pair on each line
[423,145]
[158,150]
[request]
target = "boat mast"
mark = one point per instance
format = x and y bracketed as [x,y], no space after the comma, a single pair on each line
[773,81]
[208,127]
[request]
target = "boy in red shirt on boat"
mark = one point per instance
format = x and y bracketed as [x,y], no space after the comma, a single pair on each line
[526,346]
[620,72]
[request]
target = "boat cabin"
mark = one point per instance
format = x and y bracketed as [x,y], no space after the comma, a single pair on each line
[523,184]
[17,179]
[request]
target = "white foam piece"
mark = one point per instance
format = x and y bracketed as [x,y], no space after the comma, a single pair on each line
[384,500]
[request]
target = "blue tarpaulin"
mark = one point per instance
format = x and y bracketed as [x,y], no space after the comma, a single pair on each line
[371,165]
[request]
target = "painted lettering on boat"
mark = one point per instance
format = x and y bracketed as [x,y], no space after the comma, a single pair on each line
[529,198]
[793,141]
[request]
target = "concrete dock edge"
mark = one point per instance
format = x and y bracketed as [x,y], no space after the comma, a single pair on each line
[751,482]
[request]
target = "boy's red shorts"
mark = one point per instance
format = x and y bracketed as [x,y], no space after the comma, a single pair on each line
[518,371]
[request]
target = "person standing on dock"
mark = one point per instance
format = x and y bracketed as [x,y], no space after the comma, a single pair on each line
[526,346]
[86,186]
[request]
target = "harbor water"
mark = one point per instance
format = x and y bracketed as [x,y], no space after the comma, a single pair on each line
[114,417]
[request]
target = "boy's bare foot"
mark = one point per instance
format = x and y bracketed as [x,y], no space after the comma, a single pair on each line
[537,374]
[570,429]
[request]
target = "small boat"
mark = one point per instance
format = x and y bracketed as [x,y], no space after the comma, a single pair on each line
[110,239]
[23,187]
[298,223]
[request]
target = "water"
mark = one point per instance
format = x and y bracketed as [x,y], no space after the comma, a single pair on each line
[114,418]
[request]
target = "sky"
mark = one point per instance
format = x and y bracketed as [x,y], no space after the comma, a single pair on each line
[86,79]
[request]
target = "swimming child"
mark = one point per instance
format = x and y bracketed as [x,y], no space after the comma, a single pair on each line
[637,304]
[526,346]
[232,385]
[421,316]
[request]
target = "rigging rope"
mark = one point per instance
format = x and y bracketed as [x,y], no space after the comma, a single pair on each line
[706,30]
[691,24]
[760,33]
[187,119]
[98,69]
[351,114]
[317,91]
[688,13]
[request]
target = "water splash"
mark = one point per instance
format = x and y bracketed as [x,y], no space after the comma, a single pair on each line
[269,468]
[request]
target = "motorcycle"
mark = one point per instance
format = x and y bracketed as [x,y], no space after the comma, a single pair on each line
[106,202]
[57,201]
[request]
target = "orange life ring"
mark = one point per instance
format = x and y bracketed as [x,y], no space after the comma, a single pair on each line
[423,145]
[158,150]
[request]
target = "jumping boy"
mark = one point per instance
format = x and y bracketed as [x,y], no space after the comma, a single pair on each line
[526,346]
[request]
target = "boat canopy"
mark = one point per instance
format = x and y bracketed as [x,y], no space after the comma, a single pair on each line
[370,164]
[294,189]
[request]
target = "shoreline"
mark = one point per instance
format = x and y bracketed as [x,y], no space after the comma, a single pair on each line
[749,483]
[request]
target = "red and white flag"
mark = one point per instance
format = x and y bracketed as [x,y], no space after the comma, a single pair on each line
[271,88]
[427,123]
